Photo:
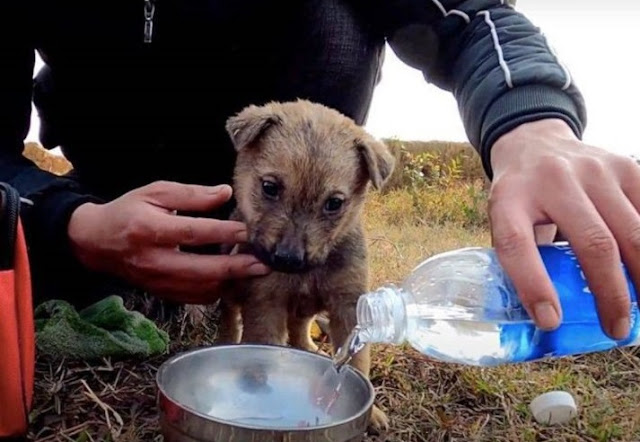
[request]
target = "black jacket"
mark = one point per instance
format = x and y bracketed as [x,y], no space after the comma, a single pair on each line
[105,96]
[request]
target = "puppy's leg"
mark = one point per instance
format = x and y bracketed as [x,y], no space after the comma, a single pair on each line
[300,333]
[264,323]
[230,329]
[342,316]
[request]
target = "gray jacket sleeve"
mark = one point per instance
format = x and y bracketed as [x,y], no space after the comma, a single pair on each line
[498,65]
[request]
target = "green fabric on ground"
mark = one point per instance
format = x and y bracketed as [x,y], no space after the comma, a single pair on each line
[104,329]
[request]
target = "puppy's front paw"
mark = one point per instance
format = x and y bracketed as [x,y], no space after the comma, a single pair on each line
[379,420]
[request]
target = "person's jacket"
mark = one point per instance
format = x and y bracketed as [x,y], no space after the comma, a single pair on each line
[495,62]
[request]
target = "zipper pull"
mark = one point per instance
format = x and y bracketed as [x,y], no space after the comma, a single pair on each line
[149,11]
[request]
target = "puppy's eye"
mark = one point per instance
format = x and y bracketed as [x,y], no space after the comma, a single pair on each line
[270,189]
[333,204]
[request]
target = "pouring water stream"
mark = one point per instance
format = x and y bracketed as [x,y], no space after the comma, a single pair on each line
[328,388]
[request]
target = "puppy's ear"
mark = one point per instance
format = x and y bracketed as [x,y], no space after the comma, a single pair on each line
[377,159]
[249,124]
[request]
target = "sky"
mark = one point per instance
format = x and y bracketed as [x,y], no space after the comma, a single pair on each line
[594,40]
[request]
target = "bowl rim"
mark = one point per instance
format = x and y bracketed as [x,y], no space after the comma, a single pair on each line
[165,366]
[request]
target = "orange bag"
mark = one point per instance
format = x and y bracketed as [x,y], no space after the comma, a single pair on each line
[17,334]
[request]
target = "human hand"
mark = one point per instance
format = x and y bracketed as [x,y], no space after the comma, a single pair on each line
[137,237]
[544,175]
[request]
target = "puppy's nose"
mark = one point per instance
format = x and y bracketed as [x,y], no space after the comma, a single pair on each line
[288,258]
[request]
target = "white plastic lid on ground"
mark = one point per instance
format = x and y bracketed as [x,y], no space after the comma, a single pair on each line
[553,408]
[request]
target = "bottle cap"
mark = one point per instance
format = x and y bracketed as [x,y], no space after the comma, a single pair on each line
[554,407]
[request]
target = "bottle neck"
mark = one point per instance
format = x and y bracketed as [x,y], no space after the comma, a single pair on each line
[382,316]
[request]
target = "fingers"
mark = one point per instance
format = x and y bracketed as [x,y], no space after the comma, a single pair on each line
[545,233]
[596,248]
[193,278]
[172,230]
[624,223]
[515,245]
[203,269]
[184,197]
[215,267]
[591,195]
[630,222]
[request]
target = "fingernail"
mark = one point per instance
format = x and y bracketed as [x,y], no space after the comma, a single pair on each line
[241,236]
[620,328]
[217,189]
[546,316]
[258,269]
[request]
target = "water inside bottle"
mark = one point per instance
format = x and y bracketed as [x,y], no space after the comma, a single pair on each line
[468,341]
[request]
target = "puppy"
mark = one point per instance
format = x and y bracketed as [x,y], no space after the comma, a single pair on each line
[300,182]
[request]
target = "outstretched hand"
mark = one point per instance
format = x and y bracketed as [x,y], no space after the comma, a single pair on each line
[545,176]
[137,237]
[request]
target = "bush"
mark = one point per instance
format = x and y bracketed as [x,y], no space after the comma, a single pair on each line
[430,157]
[435,183]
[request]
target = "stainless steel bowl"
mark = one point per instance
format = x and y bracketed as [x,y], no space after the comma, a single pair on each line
[257,393]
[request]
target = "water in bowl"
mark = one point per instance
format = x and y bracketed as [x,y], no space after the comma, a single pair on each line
[275,402]
[276,409]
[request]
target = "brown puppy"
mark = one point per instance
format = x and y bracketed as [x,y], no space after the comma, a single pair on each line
[300,181]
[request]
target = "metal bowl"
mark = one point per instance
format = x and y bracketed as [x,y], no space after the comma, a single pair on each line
[257,393]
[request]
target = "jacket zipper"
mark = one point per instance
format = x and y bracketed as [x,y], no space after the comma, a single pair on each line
[149,12]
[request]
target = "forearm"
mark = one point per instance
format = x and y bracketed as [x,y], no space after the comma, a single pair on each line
[496,63]
[53,198]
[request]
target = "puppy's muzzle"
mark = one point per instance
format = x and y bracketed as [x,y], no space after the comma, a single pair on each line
[288,259]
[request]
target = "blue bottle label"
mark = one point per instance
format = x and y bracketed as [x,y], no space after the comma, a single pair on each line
[580,331]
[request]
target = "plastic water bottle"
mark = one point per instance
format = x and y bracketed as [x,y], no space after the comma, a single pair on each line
[461,307]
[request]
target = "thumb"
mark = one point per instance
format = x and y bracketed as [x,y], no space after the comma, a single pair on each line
[184,197]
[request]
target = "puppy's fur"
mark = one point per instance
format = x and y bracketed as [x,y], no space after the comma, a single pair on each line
[300,181]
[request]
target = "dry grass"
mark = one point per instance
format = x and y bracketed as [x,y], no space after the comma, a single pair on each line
[431,401]
[426,400]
